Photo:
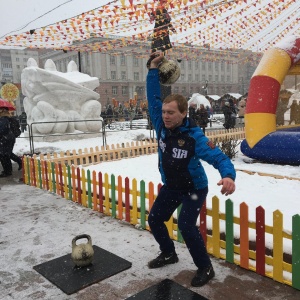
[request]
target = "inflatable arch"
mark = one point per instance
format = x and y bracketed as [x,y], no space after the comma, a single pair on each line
[263,141]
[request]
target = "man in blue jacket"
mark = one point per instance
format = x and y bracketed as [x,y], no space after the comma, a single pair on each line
[181,146]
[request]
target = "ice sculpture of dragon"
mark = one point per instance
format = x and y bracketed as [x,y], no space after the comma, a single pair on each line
[52,97]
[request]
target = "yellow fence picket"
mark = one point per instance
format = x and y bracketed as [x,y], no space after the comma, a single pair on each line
[277,246]
[215,226]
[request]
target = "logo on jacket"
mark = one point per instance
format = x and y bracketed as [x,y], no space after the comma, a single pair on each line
[210,144]
[181,143]
[162,145]
[179,153]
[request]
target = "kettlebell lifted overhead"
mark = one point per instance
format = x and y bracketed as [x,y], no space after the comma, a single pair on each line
[169,70]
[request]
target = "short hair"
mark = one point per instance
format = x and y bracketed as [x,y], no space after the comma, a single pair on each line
[179,99]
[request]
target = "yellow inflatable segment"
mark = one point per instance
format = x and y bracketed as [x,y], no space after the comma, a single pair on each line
[275,63]
[257,126]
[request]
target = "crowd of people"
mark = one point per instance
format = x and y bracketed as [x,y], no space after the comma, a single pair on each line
[123,113]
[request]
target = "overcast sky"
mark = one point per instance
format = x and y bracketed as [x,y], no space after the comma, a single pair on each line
[16,14]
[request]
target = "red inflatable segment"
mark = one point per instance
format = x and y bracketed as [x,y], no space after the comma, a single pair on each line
[263,95]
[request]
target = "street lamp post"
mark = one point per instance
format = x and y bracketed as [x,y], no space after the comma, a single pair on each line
[205,88]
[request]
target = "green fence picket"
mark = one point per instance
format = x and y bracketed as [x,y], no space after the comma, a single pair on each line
[179,236]
[296,252]
[229,231]
[143,204]
[40,174]
[53,177]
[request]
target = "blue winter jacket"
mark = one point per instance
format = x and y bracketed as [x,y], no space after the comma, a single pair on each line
[181,149]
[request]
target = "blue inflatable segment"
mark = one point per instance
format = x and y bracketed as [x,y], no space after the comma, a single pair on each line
[278,147]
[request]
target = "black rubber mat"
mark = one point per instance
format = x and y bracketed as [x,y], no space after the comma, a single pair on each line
[166,290]
[70,279]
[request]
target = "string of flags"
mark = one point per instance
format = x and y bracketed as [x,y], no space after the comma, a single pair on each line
[123,26]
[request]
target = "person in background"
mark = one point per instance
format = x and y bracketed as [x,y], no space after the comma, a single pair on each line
[293,112]
[7,140]
[227,115]
[181,147]
[280,111]
[241,110]
[23,121]
[202,117]
[192,111]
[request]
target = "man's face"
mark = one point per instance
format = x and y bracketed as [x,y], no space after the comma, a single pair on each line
[171,115]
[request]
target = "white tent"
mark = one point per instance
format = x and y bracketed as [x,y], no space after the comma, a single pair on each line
[199,99]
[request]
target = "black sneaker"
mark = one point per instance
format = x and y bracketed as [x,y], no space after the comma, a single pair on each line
[203,275]
[163,259]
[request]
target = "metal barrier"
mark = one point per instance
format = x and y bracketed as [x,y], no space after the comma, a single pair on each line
[31,135]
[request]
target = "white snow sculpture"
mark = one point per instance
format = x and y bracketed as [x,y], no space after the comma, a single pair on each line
[199,99]
[52,96]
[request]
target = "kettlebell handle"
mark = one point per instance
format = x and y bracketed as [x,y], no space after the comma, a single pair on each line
[82,236]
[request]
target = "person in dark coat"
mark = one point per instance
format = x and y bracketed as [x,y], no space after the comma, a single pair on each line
[192,112]
[7,140]
[23,121]
[229,115]
[161,39]
[202,117]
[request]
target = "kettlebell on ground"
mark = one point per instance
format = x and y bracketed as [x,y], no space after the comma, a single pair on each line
[82,254]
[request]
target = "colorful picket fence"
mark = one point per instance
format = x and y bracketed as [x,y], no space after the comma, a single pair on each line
[131,201]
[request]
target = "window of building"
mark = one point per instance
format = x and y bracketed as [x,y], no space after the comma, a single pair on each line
[196,77]
[114,90]
[113,75]
[210,78]
[17,59]
[196,65]
[216,66]
[123,75]
[18,66]
[124,90]
[176,90]
[112,60]
[228,67]
[222,78]
[222,65]
[228,79]
[216,78]
[210,66]
[203,65]
[182,77]
[135,62]
[183,90]
[123,60]
[190,65]
[190,77]
[191,90]
[203,78]
[24,59]
[136,76]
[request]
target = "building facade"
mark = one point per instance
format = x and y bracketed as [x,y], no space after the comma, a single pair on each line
[122,74]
